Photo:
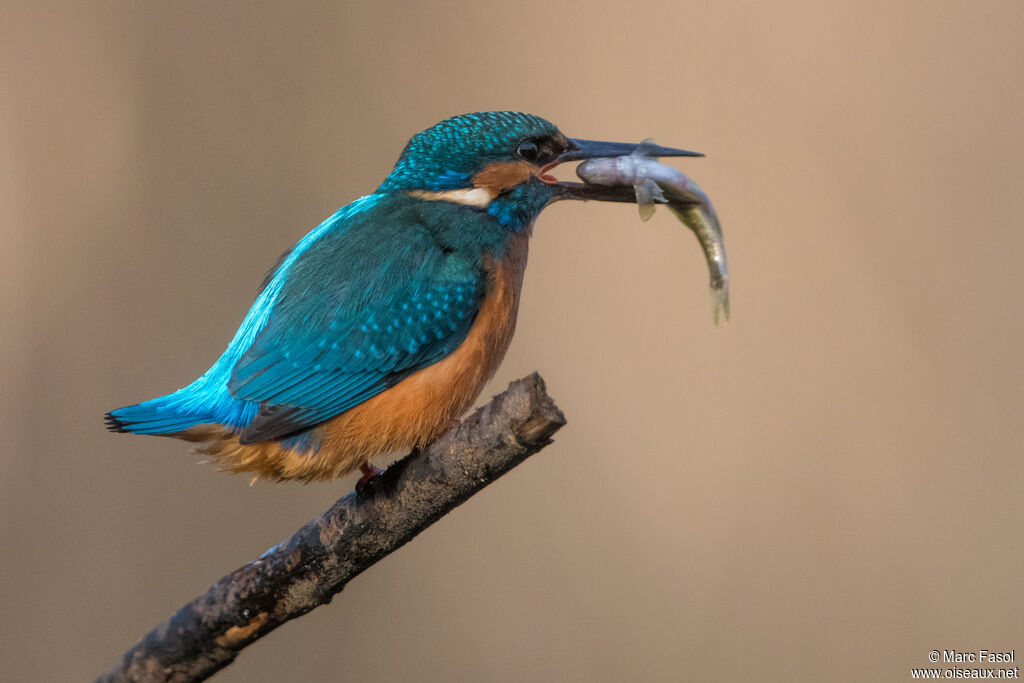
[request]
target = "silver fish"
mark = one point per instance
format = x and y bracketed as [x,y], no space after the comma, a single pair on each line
[655,183]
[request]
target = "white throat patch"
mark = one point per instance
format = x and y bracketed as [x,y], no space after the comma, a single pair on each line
[479,197]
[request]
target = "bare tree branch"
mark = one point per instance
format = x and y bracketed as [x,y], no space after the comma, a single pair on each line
[312,566]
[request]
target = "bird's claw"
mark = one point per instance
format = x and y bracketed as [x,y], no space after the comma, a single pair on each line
[367,483]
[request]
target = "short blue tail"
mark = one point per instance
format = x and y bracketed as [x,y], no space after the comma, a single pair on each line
[157,416]
[205,401]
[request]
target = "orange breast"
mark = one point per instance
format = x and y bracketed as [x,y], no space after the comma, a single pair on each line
[412,413]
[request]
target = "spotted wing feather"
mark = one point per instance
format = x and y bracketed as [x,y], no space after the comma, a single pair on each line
[331,344]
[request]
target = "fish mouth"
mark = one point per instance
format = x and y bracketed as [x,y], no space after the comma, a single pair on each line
[581,150]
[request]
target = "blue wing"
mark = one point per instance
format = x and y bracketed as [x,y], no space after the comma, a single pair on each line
[359,311]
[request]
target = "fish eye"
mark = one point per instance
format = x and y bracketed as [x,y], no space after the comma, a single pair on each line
[528,150]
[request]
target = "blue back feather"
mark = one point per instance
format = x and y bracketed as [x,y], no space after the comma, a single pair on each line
[207,399]
[344,317]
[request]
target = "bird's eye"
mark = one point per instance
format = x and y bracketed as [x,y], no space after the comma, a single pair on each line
[528,150]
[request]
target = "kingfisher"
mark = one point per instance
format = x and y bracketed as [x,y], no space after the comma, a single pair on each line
[380,327]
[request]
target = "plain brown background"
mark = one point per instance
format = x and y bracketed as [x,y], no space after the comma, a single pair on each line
[825,489]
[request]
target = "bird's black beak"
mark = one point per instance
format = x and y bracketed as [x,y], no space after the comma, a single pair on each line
[580,150]
[597,149]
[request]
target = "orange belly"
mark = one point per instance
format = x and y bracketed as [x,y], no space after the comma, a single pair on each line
[412,413]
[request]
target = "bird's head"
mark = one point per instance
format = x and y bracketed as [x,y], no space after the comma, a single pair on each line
[499,162]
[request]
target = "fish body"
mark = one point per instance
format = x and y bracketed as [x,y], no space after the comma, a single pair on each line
[655,183]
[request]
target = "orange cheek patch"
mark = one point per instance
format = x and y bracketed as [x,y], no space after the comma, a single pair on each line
[501,175]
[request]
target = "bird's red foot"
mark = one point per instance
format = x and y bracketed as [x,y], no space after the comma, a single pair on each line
[364,486]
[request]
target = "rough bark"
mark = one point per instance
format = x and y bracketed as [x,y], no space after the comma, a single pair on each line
[307,570]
